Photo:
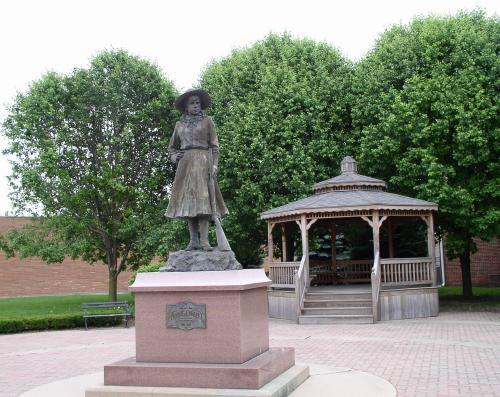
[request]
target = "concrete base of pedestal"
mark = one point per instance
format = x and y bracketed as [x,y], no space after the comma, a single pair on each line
[281,386]
[323,382]
[252,374]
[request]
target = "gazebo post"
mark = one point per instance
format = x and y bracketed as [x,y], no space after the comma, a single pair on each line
[305,244]
[284,253]
[375,224]
[390,237]
[333,234]
[431,246]
[290,244]
[376,234]
[270,243]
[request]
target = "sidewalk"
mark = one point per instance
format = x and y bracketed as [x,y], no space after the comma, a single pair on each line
[455,354]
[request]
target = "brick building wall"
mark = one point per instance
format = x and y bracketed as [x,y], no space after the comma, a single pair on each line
[31,276]
[485,266]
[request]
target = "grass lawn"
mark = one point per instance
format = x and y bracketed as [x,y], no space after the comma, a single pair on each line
[484,299]
[39,306]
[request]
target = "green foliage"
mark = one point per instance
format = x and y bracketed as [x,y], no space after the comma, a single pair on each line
[425,111]
[484,300]
[36,306]
[152,267]
[48,322]
[420,111]
[445,292]
[50,312]
[410,239]
[282,111]
[9,326]
[173,237]
[90,162]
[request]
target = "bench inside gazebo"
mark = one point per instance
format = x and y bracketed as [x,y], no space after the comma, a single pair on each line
[390,274]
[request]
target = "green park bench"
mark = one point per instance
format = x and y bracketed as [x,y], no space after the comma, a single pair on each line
[106,309]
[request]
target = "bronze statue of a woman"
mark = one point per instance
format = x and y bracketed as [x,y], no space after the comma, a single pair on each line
[195,150]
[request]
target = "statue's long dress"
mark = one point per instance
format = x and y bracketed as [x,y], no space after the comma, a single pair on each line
[189,196]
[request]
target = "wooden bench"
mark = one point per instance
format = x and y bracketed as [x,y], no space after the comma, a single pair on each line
[120,309]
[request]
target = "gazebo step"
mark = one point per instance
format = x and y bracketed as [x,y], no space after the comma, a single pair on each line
[313,311]
[338,296]
[339,302]
[336,319]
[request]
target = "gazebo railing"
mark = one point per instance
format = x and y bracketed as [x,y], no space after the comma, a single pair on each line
[291,275]
[354,270]
[406,271]
[393,272]
[282,274]
[345,270]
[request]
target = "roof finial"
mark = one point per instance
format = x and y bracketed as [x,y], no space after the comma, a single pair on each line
[349,166]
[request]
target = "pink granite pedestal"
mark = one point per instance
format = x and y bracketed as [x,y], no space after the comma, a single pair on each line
[230,350]
[236,316]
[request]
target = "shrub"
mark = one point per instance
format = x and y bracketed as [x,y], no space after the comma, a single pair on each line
[152,267]
[43,323]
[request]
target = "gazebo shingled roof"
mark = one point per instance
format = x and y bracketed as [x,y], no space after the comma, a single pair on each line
[349,200]
[349,180]
[349,191]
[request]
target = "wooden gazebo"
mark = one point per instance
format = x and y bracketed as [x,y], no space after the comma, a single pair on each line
[409,284]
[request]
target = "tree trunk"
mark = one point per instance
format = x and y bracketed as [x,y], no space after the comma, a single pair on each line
[466,276]
[112,290]
[112,261]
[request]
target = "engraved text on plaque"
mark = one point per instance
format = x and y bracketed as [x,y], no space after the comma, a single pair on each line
[186,315]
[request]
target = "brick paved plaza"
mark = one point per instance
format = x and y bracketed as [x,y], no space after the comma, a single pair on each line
[455,354]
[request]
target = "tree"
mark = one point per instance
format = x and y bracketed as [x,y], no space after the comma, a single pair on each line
[281,108]
[425,111]
[90,163]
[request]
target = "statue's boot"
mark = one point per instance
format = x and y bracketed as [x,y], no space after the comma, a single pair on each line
[194,241]
[205,245]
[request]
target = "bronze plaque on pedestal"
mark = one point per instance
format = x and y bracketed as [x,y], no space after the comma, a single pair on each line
[186,315]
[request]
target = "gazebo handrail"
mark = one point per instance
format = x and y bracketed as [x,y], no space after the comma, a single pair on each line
[284,264]
[376,278]
[349,261]
[406,259]
[300,285]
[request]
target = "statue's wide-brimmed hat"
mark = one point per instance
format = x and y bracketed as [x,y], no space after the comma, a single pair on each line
[205,100]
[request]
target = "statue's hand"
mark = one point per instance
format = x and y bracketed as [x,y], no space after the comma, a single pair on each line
[180,154]
[214,171]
